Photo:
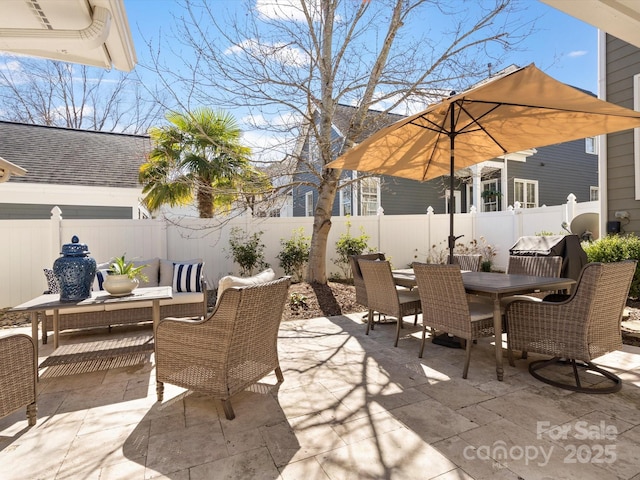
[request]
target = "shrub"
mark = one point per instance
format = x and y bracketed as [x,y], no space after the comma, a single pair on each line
[295,254]
[615,248]
[347,246]
[247,251]
[298,301]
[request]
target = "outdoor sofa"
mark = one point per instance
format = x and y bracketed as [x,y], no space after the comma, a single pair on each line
[159,272]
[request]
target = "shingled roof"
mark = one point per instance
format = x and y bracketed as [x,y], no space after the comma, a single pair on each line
[65,156]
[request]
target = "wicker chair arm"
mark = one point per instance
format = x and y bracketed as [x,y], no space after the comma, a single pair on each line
[563,321]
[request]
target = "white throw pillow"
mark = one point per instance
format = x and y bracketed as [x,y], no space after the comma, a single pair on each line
[231,281]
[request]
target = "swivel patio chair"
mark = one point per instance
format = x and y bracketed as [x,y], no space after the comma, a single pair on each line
[384,297]
[18,376]
[445,307]
[577,330]
[231,349]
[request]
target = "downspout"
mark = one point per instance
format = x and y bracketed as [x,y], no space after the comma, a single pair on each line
[90,37]
[602,140]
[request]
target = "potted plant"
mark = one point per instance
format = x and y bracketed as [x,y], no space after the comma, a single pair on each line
[123,277]
[490,195]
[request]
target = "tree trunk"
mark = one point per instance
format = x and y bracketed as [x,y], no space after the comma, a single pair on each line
[205,200]
[317,271]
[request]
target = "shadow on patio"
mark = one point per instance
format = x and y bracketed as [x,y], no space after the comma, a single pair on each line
[351,406]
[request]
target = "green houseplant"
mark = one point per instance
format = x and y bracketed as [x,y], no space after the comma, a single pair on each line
[119,266]
[123,277]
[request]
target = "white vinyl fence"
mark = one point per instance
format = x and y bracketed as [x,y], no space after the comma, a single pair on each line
[31,245]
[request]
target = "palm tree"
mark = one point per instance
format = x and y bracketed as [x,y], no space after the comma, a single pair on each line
[197,151]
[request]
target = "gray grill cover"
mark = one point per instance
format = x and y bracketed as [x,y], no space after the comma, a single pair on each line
[566,246]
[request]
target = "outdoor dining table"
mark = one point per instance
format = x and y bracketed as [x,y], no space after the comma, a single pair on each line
[52,302]
[496,286]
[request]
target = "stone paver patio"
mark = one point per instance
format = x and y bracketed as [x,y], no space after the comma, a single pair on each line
[351,407]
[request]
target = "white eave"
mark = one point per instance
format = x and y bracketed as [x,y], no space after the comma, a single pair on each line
[620,18]
[7,169]
[90,32]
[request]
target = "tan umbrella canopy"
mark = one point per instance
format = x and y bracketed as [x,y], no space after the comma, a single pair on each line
[524,109]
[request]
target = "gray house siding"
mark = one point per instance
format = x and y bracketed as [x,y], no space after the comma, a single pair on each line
[560,170]
[14,211]
[400,196]
[622,63]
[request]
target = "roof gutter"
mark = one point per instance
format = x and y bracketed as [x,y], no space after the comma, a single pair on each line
[90,37]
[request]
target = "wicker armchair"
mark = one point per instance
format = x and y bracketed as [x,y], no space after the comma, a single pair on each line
[445,306]
[384,297]
[577,330]
[18,376]
[231,349]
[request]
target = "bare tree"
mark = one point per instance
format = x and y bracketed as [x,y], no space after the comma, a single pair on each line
[291,62]
[46,92]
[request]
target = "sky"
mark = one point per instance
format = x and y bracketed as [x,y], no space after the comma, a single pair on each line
[563,47]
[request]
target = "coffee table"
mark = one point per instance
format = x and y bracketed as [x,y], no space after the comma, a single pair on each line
[52,302]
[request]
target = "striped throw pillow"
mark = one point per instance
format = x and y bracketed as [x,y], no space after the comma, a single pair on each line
[186,277]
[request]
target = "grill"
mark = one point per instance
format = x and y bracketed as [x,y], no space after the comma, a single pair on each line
[566,246]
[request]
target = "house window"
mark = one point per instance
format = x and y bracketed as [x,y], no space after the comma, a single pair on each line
[525,192]
[308,204]
[591,145]
[456,201]
[314,151]
[491,196]
[594,194]
[369,196]
[345,201]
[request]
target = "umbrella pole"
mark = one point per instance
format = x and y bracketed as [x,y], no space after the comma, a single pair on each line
[452,202]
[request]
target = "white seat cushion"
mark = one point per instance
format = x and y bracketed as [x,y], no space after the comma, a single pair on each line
[110,307]
[185,297]
[66,311]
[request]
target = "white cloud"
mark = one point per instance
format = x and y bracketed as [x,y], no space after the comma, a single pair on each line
[13,66]
[284,9]
[577,53]
[280,52]
[286,119]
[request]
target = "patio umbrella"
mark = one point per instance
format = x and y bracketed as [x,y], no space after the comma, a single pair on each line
[523,109]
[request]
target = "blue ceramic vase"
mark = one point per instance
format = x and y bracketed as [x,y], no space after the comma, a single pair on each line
[75,271]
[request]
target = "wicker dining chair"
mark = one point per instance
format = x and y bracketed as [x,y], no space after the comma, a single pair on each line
[578,330]
[18,376]
[384,297]
[445,307]
[470,262]
[231,349]
[358,280]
